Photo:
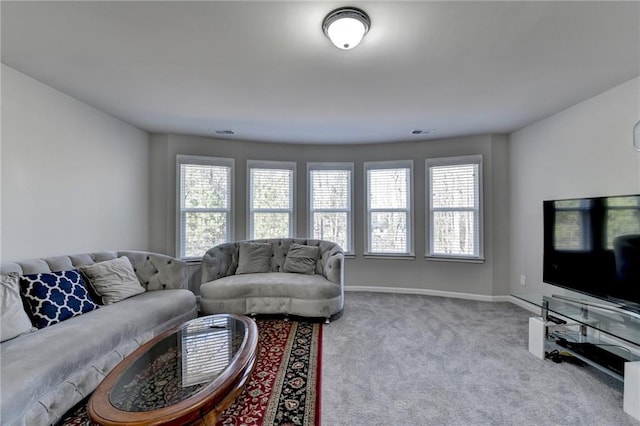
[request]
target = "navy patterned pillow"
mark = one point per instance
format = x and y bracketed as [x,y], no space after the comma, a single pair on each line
[55,296]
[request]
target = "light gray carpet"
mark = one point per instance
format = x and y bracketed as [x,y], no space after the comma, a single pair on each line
[415,360]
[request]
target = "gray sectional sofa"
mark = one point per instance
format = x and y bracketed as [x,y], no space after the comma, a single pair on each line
[46,372]
[274,276]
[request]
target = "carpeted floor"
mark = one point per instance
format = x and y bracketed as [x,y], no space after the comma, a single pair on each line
[416,360]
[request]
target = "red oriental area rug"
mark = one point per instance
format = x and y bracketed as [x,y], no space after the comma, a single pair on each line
[284,388]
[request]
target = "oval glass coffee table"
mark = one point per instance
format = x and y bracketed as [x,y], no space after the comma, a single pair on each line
[187,375]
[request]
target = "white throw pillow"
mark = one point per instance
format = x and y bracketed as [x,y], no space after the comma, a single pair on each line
[14,321]
[113,280]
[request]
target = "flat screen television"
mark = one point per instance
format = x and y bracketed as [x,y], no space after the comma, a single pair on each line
[592,246]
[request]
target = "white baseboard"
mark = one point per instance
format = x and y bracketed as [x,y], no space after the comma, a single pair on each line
[426,292]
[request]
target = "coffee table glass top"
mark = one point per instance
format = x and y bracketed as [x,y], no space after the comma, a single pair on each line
[180,365]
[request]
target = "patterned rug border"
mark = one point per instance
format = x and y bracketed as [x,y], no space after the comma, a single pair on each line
[293,390]
[315,369]
[319,377]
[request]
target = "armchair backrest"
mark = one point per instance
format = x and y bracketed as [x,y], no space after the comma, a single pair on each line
[222,260]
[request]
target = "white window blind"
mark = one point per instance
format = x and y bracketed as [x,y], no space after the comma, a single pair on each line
[389,216]
[271,199]
[205,202]
[330,207]
[455,206]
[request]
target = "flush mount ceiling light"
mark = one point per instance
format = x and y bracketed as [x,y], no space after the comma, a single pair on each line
[346,26]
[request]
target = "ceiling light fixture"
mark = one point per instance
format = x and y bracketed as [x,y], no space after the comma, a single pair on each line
[346,26]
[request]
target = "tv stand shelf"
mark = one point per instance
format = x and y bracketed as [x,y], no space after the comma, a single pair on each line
[605,336]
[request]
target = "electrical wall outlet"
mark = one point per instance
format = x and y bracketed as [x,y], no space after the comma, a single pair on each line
[523,280]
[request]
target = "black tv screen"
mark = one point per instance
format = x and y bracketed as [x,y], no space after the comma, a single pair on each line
[592,245]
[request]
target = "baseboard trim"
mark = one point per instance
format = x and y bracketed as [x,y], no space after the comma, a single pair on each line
[426,292]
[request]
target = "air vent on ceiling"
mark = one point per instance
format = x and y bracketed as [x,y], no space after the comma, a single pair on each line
[423,131]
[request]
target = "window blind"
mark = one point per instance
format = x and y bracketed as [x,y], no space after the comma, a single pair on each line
[330,205]
[388,188]
[454,208]
[270,189]
[388,209]
[271,201]
[205,199]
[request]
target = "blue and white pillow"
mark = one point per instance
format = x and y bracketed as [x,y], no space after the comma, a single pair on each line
[55,296]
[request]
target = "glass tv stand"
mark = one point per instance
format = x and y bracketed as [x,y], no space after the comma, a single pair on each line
[604,335]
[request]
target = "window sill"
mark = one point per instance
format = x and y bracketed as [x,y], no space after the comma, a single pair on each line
[455,259]
[390,256]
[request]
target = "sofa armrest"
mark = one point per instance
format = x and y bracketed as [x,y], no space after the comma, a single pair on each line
[220,261]
[158,271]
[333,268]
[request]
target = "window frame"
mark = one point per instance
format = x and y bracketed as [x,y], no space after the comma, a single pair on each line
[279,165]
[180,210]
[479,209]
[341,166]
[381,165]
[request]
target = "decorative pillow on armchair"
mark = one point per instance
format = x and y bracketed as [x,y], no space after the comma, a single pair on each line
[254,258]
[55,296]
[113,280]
[301,259]
[13,319]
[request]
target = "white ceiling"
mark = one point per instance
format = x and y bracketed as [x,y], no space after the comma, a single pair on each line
[266,70]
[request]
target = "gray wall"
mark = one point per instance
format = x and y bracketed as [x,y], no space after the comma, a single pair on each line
[585,150]
[73,178]
[419,275]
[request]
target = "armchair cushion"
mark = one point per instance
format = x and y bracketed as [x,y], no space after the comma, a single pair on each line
[301,259]
[254,258]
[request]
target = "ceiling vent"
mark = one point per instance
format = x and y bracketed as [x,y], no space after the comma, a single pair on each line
[224,132]
[422,131]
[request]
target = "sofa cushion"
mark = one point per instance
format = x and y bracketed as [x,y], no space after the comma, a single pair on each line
[271,284]
[254,258]
[14,321]
[31,373]
[301,259]
[56,296]
[113,280]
